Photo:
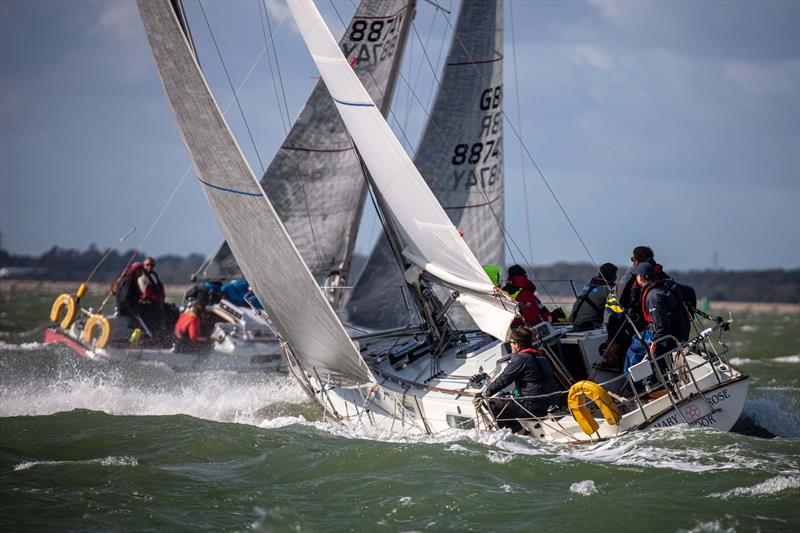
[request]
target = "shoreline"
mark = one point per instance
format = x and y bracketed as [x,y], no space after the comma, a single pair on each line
[566,302]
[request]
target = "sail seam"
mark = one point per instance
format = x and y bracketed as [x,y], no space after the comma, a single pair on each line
[481,62]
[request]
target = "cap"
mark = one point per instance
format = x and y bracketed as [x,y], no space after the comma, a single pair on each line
[645,270]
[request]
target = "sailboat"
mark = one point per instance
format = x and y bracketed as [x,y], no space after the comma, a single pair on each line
[318,190]
[416,378]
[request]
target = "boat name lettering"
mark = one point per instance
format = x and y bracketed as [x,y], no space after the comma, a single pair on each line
[719,396]
[667,422]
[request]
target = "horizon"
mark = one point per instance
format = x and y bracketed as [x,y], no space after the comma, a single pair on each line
[695,107]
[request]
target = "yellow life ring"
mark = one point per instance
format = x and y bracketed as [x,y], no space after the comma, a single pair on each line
[68,302]
[596,393]
[105,331]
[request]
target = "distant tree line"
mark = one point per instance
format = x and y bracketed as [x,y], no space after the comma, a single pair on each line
[60,264]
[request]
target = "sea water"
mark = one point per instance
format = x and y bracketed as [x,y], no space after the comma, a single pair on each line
[88,445]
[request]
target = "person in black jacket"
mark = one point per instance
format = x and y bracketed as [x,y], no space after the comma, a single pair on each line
[661,307]
[532,375]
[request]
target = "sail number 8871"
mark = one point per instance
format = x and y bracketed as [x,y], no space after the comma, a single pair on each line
[464,153]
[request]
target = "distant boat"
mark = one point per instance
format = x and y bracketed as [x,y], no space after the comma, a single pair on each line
[417,378]
[318,190]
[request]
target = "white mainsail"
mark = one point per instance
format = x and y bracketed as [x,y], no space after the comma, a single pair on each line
[315,181]
[460,157]
[431,241]
[280,279]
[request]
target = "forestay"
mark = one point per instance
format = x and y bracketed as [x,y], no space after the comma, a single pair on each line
[315,181]
[460,157]
[432,243]
[263,249]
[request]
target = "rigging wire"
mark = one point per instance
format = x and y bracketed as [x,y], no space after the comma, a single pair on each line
[519,121]
[230,83]
[536,166]
[269,62]
[293,155]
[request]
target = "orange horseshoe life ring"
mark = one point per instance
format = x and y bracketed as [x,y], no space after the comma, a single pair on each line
[64,302]
[105,331]
[581,414]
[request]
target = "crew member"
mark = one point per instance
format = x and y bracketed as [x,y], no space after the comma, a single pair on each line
[588,311]
[662,309]
[127,292]
[533,377]
[523,290]
[187,331]
[150,286]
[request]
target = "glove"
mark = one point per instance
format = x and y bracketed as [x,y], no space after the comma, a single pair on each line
[477,400]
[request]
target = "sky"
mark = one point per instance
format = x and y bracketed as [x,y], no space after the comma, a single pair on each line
[673,124]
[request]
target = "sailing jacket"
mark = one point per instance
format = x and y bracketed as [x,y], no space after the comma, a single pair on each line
[151,287]
[523,291]
[662,308]
[531,373]
[589,309]
[127,293]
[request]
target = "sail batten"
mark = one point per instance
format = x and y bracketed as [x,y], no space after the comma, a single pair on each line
[431,240]
[297,307]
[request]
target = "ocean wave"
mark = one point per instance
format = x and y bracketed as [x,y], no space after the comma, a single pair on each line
[771,486]
[583,488]
[771,415]
[217,396]
[104,461]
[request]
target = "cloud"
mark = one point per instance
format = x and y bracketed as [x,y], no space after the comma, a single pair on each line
[595,57]
[779,77]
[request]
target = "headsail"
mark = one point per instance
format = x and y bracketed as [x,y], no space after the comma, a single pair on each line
[315,182]
[431,241]
[460,157]
[258,239]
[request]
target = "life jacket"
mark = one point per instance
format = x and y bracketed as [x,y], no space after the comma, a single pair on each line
[153,288]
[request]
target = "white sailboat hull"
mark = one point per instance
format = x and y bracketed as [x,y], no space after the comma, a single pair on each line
[714,398]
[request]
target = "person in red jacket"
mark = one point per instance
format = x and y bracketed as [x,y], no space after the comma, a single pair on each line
[523,291]
[187,331]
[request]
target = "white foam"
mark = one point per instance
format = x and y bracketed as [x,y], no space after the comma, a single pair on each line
[405,501]
[507,488]
[770,360]
[771,486]
[499,457]
[25,346]
[583,488]
[217,396]
[748,328]
[712,526]
[104,461]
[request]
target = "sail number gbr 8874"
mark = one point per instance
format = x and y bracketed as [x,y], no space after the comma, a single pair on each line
[485,155]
